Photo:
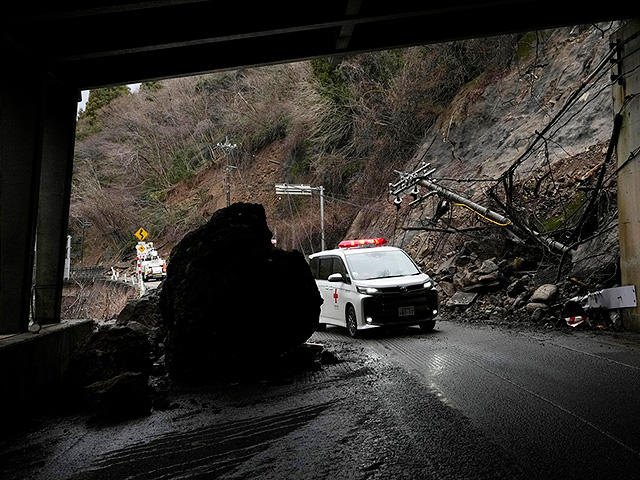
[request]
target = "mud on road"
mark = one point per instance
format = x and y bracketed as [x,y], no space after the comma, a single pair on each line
[358,418]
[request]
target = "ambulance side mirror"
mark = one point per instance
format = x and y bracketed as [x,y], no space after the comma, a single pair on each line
[336,277]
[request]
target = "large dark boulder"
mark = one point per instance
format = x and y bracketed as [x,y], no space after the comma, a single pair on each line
[232,301]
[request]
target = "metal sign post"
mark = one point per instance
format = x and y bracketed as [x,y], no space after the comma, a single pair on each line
[227,148]
[141,253]
[67,260]
[286,189]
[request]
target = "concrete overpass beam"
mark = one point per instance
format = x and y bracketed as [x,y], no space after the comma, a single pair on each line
[60,110]
[21,92]
[626,98]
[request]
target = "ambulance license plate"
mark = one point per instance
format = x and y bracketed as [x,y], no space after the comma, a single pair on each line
[406,311]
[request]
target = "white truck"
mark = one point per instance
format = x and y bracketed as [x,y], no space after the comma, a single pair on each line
[153,267]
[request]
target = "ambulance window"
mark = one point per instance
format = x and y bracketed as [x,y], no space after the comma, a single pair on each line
[313,265]
[339,267]
[373,263]
[325,268]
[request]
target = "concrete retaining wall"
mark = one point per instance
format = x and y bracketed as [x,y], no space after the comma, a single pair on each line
[33,366]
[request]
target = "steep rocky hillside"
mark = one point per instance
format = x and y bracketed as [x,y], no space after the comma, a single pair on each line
[548,121]
[539,137]
[538,114]
[523,132]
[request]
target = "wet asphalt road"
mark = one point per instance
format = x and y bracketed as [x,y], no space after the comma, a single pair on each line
[152,285]
[563,404]
[463,402]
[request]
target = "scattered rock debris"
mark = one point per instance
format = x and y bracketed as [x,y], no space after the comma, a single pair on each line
[109,372]
[500,290]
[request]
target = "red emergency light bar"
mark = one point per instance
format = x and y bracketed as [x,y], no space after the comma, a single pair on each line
[365,242]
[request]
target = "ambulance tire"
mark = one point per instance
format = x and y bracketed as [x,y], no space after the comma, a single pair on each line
[352,322]
[428,326]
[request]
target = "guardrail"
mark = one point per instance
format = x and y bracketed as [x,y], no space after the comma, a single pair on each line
[87,273]
[106,274]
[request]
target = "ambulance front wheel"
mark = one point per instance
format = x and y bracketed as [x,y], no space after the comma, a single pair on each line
[352,322]
[428,326]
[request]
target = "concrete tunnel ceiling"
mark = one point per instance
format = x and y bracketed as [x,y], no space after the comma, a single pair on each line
[89,44]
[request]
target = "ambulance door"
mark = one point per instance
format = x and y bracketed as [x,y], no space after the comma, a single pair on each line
[328,289]
[341,291]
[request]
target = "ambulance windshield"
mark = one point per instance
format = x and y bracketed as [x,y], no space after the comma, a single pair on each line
[373,263]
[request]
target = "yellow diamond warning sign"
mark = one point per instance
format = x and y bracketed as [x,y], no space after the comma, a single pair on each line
[141,234]
[141,248]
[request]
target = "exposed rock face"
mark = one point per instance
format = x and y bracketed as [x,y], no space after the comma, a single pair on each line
[232,300]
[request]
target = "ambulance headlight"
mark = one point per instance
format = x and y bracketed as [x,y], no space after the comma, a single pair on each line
[367,290]
[428,285]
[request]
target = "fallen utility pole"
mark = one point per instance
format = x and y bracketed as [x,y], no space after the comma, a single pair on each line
[422,177]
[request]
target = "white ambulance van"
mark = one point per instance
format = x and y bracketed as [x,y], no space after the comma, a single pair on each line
[366,284]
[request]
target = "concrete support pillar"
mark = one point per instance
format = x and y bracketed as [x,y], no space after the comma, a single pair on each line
[626,97]
[60,108]
[21,93]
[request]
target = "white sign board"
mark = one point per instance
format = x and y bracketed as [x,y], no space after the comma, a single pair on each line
[613,298]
